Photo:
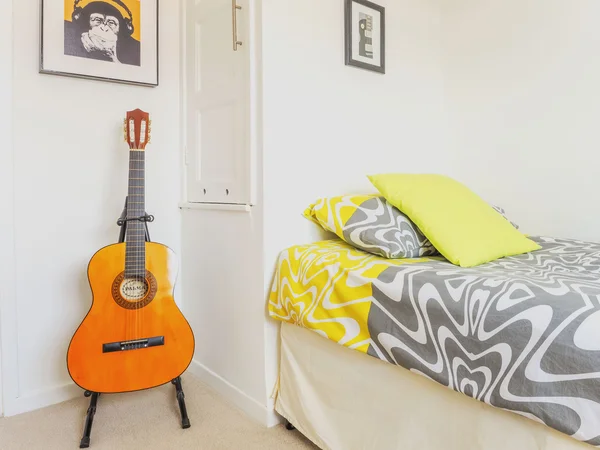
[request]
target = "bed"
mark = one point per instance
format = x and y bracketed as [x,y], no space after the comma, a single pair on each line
[380,353]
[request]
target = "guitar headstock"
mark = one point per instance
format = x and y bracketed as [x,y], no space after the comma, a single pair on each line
[137,128]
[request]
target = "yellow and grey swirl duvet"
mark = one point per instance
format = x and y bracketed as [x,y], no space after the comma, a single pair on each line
[521,333]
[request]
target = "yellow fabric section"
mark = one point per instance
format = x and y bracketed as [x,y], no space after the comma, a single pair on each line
[133,5]
[333,213]
[326,287]
[462,226]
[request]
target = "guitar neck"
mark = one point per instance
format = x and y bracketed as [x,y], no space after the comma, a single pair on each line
[135,259]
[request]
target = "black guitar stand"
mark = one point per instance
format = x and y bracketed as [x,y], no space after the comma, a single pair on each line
[89,420]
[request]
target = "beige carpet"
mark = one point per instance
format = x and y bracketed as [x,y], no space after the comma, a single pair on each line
[147,420]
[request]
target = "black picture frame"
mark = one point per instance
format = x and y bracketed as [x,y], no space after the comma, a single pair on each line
[44,70]
[349,29]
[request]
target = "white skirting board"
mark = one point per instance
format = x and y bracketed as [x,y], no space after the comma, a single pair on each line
[48,397]
[41,399]
[262,414]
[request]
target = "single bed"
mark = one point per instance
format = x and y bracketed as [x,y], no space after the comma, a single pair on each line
[503,355]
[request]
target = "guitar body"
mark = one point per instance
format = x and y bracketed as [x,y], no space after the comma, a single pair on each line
[134,336]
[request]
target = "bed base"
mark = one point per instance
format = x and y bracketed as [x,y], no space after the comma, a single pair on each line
[342,399]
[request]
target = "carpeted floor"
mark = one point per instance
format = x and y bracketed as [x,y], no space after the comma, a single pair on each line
[147,420]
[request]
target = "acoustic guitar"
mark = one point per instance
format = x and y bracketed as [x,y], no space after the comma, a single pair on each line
[134,336]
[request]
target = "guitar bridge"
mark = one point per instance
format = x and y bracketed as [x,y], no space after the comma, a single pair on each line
[136,344]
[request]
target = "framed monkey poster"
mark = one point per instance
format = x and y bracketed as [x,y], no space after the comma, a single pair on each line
[108,40]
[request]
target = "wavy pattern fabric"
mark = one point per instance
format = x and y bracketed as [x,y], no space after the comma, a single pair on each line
[370,223]
[521,333]
[326,287]
[501,211]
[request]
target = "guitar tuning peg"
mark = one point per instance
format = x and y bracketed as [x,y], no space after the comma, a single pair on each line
[125,129]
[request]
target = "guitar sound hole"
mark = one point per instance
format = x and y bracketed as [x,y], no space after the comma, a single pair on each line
[134,293]
[133,289]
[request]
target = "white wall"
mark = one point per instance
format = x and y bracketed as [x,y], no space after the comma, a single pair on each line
[524,105]
[6,184]
[224,303]
[328,125]
[70,179]
[325,127]
[223,277]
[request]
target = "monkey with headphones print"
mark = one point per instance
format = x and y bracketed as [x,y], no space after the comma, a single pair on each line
[102,30]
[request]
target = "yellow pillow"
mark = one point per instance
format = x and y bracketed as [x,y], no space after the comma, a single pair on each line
[459,224]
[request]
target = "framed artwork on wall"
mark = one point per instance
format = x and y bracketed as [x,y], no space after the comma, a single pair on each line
[108,40]
[365,35]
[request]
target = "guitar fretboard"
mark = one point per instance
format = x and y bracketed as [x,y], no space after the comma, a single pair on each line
[135,254]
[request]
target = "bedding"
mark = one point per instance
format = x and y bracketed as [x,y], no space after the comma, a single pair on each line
[502,212]
[521,333]
[370,223]
[459,224]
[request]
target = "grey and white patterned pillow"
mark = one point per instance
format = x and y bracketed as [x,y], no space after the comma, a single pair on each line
[501,211]
[372,224]
[380,228]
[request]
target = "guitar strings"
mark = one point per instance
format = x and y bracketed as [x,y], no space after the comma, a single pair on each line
[131,238]
[141,235]
[139,243]
[135,260]
[136,242]
[144,281]
[129,253]
[131,264]
[142,229]
[137,235]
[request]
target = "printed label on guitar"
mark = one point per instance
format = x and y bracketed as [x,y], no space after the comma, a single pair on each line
[133,290]
[134,293]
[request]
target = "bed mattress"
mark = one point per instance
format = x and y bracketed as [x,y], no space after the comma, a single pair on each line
[521,333]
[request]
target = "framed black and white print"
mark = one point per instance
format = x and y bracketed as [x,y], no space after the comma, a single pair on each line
[365,35]
[109,40]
